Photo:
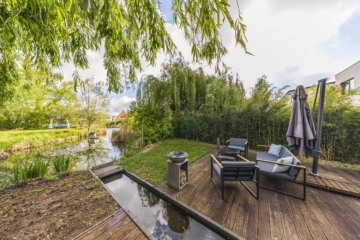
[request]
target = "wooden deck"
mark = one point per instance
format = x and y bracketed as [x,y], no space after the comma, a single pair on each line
[117,226]
[324,215]
[333,179]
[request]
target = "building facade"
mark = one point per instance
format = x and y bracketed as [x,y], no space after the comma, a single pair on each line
[348,79]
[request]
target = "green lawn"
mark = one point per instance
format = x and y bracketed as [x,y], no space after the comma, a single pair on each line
[151,166]
[12,137]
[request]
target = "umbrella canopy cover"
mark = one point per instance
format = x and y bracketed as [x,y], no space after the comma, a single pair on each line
[301,132]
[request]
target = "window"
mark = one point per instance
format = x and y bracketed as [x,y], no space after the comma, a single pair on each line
[347,85]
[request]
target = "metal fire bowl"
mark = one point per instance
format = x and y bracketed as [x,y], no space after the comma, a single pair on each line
[177,157]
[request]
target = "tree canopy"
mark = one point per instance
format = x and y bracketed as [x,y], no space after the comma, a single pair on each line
[47,33]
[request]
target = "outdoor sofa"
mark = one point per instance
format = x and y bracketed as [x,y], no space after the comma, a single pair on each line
[289,163]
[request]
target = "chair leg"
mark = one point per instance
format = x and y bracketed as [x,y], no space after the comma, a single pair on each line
[222,189]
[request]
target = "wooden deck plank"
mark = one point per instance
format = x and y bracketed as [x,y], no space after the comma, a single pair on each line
[329,183]
[264,216]
[205,179]
[206,192]
[298,210]
[252,226]
[217,201]
[352,187]
[349,175]
[133,234]
[340,213]
[193,184]
[242,216]
[323,221]
[275,218]
[103,227]
[225,205]
[141,237]
[230,218]
[117,228]
[347,206]
[335,221]
[286,216]
[125,230]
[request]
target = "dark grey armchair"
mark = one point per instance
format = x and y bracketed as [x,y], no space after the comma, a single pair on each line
[235,171]
[239,144]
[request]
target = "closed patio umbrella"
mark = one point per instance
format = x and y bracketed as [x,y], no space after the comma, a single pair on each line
[301,132]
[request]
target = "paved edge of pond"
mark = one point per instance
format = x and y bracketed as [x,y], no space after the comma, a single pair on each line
[141,227]
[201,218]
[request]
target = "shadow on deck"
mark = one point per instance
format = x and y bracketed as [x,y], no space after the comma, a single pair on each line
[324,215]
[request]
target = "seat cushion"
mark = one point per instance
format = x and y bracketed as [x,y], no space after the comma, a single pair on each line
[265,156]
[241,148]
[275,150]
[266,169]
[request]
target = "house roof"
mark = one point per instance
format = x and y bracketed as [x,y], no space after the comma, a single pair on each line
[121,115]
[348,67]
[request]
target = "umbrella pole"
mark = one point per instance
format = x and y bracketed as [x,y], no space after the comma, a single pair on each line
[316,152]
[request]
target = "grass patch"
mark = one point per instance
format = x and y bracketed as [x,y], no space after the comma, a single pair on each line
[151,165]
[12,137]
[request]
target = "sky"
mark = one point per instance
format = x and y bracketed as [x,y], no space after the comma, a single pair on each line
[293,43]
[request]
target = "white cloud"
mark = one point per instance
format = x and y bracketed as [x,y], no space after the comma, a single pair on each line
[120,104]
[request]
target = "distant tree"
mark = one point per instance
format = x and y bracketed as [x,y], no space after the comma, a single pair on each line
[94,101]
[47,33]
[37,98]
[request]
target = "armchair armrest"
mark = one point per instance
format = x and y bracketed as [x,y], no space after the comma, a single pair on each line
[243,158]
[216,161]
[285,164]
[263,146]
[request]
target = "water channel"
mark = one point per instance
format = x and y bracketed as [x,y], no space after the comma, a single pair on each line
[162,219]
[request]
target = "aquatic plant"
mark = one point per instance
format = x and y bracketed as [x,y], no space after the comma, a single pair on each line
[37,168]
[61,163]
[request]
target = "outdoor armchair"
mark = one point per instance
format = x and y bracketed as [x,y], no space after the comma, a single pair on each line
[235,171]
[240,144]
[266,162]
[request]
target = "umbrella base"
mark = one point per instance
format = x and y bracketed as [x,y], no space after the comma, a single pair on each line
[315,174]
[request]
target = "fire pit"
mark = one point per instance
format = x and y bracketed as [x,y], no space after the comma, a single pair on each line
[177,156]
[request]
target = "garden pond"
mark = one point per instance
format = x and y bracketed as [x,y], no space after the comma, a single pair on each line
[84,154]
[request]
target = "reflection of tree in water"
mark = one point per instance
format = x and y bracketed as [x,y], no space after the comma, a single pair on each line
[177,219]
[148,199]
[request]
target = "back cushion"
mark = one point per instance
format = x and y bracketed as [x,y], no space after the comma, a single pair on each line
[285,153]
[275,150]
[237,141]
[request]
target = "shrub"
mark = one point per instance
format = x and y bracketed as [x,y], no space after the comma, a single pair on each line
[61,163]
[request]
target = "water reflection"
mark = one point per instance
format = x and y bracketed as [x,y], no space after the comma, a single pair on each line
[164,220]
[85,153]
